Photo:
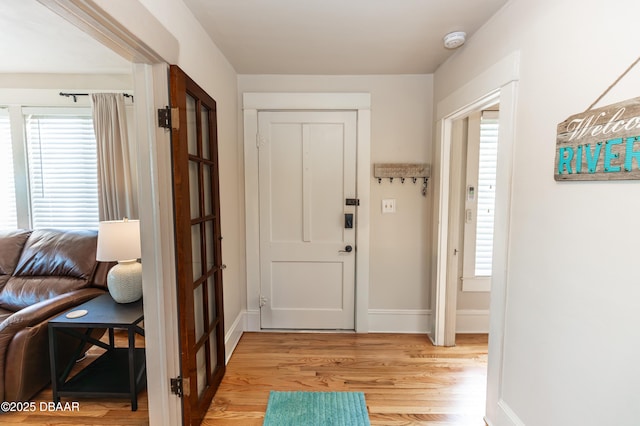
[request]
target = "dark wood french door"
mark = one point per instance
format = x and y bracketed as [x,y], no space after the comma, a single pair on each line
[198,244]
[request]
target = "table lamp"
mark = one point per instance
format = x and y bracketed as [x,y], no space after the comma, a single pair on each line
[119,240]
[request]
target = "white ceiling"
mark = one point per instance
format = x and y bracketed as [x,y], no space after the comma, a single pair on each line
[264,37]
[35,40]
[338,36]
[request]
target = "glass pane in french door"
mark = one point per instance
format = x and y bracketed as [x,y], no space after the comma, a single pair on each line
[194,189]
[201,365]
[196,251]
[192,135]
[213,357]
[204,118]
[208,192]
[211,248]
[211,294]
[198,312]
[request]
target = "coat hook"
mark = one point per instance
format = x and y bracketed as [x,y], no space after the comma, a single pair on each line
[424,187]
[379,180]
[414,179]
[402,180]
[390,180]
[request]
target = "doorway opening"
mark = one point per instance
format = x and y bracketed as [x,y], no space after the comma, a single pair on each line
[150,82]
[496,85]
[472,206]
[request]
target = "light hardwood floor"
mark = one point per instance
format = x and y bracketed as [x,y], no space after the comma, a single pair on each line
[406,380]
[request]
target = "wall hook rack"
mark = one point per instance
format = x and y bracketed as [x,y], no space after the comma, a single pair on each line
[414,171]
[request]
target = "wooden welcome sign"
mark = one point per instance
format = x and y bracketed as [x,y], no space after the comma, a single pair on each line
[600,144]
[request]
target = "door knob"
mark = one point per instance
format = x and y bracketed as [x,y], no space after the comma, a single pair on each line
[347,249]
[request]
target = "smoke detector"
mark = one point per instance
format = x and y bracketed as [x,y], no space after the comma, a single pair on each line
[455,39]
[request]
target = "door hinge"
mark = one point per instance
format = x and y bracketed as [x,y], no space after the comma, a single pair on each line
[263,301]
[169,118]
[180,386]
[259,140]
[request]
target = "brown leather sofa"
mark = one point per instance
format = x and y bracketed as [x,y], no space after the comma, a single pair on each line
[43,273]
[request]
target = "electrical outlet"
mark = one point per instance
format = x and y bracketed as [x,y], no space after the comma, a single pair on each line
[389,206]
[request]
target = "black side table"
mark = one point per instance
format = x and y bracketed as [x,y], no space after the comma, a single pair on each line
[119,372]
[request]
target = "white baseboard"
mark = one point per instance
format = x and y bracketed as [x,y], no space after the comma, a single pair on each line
[245,321]
[380,321]
[473,321]
[507,416]
[413,321]
[253,320]
[400,320]
[234,334]
[504,416]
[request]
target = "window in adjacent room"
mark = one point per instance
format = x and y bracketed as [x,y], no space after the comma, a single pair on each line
[63,181]
[482,156]
[8,215]
[488,158]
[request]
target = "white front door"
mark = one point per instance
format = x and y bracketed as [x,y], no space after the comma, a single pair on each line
[307,171]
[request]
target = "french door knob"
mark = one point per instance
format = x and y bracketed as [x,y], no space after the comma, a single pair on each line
[347,249]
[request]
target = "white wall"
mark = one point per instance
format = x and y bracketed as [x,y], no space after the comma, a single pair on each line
[200,58]
[44,89]
[400,132]
[571,328]
[65,83]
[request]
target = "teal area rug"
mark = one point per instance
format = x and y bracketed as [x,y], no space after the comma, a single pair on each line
[316,409]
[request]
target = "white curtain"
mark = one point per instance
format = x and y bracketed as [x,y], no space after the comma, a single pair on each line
[117,183]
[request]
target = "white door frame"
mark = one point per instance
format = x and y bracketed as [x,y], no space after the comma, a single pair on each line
[450,228]
[500,81]
[150,77]
[252,104]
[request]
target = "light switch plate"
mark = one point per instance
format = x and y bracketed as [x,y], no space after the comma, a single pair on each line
[389,206]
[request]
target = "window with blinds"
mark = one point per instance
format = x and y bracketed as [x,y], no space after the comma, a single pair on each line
[8,215]
[488,158]
[63,176]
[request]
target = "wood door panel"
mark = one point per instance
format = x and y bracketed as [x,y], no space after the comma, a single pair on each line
[198,244]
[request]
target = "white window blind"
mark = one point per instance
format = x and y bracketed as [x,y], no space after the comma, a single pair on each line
[63,176]
[488,158]
[8,216]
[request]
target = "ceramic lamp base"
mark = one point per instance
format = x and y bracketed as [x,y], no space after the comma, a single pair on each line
[125,281]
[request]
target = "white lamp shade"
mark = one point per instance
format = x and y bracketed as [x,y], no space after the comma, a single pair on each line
[118,240]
